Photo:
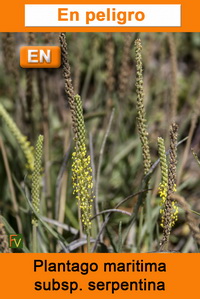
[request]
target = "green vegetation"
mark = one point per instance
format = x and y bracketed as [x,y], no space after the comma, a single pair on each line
[88,151]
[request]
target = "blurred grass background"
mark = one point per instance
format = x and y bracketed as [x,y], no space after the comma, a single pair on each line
[103,73]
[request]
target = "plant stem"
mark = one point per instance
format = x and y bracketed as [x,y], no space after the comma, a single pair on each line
[88,241]
[34,239]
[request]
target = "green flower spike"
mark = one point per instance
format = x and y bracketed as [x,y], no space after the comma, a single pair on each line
[21,139]
[163,187]
[141,117]
[36,178]
[82,171]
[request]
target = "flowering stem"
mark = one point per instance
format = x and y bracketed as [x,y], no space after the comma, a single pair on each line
[35,188]
[88,240]
[34,239]
[82,172]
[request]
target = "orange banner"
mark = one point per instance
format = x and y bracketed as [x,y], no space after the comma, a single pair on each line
[169,275]
[12,17]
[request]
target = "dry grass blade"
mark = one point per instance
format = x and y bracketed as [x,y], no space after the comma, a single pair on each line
[111,211]
[96,208]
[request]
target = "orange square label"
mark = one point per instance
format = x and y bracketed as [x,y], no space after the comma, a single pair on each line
[40,57]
